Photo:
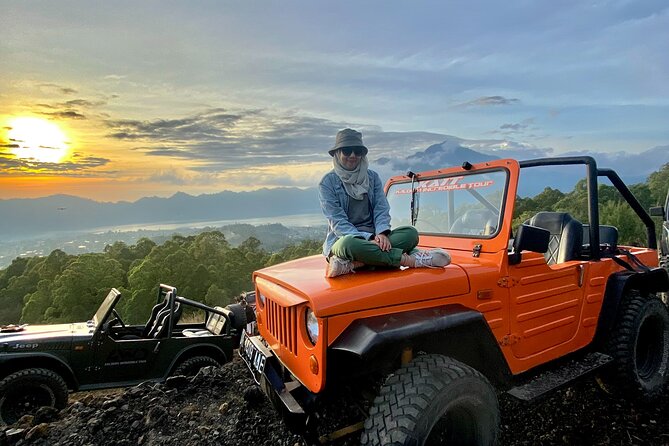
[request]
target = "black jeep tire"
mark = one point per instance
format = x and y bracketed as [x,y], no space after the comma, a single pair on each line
[433,400]
[639,345]
[25,391]
[191,366]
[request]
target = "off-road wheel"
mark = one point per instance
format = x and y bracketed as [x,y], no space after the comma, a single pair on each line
[433,400]
[639,345]
[191,366]
[25,391]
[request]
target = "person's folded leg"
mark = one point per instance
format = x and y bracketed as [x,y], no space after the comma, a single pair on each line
[358,249]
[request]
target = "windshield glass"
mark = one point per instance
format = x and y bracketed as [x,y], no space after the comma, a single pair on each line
[105,307]
[462,205]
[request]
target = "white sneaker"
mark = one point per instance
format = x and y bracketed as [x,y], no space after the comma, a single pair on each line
[338,267]
[433,258]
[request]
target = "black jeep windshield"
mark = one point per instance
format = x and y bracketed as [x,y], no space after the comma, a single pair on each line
[463,205]
[105,307]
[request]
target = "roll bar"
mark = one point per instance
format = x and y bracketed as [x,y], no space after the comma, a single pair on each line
[592,172]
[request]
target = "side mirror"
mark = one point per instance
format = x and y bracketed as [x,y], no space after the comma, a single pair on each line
[529,238]
[657,211]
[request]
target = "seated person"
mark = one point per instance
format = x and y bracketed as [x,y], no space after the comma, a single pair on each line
[358,215]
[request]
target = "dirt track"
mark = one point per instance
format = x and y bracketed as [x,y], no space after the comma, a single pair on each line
[221,407]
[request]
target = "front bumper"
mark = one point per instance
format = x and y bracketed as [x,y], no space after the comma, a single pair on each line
[267,372]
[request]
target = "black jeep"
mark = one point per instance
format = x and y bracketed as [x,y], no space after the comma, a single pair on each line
[40,363]
[663,211]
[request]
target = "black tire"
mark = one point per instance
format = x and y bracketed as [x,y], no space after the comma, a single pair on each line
[433,400]
[191,366]
[639,345]
[25,391]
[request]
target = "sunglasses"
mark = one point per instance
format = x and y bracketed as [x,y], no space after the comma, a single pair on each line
[359,151]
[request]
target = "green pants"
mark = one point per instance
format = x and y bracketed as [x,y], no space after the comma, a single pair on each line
[403,240]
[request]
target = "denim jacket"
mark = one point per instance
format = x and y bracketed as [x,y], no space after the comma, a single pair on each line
[334,204]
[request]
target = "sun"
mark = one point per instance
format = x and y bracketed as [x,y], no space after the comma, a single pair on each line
[37,139]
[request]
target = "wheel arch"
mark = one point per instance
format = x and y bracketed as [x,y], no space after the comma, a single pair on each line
[453,330]
[653,281]
[15,363]
[191,351]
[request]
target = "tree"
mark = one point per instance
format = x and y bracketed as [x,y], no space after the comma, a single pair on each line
[22,278]
[658,183]
[79,290]
[37,303]
[630,230]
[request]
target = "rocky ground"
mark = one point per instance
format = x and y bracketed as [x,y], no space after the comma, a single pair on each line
[223,407]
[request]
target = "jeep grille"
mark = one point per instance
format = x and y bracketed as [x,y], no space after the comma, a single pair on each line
[282,324]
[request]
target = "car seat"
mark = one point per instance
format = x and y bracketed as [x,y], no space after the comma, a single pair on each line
[608,239]
[214,326]
[152,323]
[566,235]
[162,325]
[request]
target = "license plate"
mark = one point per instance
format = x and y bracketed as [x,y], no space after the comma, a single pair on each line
[251,354]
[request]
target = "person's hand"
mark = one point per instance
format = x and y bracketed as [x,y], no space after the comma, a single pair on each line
[382,241]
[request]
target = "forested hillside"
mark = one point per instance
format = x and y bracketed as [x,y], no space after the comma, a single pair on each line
[206,267]
[69,288]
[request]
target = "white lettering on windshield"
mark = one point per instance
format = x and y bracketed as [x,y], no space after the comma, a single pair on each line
[451,184]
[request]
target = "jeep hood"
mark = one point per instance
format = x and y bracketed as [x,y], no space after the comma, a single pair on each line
[304,280]
[35,333]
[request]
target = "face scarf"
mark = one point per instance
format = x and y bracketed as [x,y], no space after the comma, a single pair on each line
[356,181]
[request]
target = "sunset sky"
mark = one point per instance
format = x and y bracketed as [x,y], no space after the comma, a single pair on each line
[124,99]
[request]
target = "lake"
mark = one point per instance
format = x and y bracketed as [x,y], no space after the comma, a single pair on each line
[298,220]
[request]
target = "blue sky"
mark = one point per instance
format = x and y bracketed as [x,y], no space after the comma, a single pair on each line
[197,96]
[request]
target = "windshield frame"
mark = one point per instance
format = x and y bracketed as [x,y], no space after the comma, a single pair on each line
[106,306]
[454,174]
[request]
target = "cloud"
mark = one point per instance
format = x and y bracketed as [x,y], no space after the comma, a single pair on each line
[488,101]
[180,177]
[77,165]
[68,114]
[633,167]
[61,89]
[69,109]
[85,103]
[211,124]
[221,139]
[516,128]
[513,127]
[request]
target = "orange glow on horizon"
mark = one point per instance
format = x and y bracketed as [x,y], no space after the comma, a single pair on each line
[98,189]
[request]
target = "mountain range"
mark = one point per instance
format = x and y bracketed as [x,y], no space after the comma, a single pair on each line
[29,218]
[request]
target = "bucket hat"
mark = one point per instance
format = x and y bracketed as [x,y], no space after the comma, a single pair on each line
[348,138]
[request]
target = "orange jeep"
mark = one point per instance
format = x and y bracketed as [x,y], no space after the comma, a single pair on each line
[522,312]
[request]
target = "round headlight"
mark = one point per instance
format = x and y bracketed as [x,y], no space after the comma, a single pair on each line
[261,300]
[312,326]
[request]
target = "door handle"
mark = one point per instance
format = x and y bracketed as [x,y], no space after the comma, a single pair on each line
[580,269]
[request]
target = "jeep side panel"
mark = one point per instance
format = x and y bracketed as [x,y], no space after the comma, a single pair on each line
[13,362]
